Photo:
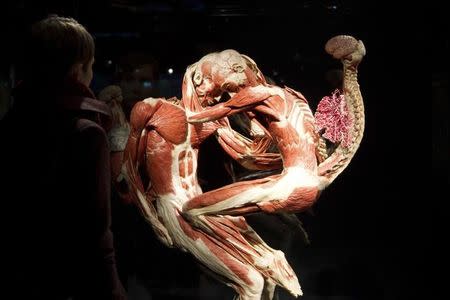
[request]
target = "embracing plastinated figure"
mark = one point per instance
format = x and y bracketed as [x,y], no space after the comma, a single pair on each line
[161,156]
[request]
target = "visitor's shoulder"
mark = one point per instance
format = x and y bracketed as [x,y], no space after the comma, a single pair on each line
[87,126]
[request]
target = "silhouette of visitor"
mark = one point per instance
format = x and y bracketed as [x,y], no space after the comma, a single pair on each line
[54,148]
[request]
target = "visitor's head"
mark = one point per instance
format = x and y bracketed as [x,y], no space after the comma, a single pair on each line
[60,48]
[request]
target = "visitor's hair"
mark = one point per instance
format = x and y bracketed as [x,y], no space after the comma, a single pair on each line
[55,44]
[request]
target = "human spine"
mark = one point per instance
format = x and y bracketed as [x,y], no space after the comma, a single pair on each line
[350,52]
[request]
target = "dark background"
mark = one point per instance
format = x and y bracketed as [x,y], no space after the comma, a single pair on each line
[368,231]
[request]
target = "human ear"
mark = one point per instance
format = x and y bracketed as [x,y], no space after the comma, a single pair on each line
[76,71]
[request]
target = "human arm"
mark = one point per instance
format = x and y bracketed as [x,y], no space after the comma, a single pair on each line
[251,154]
[95,185]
